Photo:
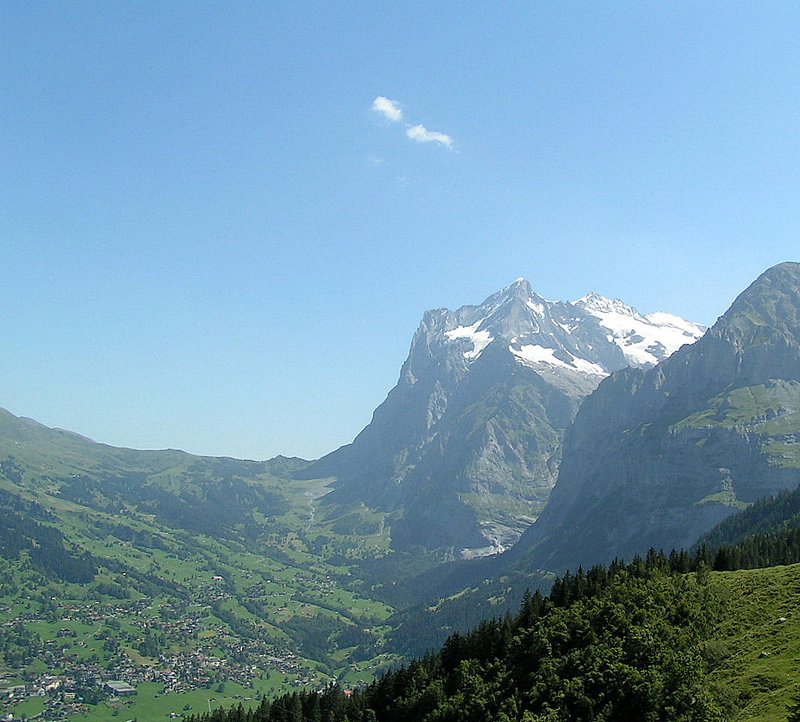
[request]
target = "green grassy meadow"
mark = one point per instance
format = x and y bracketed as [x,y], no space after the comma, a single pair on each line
[756,672]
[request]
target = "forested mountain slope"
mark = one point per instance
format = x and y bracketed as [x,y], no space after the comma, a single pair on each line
[647,640]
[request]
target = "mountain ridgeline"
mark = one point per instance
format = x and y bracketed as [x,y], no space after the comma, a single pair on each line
[462,455]
[656,457]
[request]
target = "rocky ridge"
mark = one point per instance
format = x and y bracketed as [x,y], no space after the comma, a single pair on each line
[657,457]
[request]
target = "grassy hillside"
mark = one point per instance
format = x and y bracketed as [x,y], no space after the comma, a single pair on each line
[767,412]
[755,659]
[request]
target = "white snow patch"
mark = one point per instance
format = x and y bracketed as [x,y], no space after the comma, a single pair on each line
[588,367]
[537,308]
[480,339]
[641,337]
[661,318]
[534,355]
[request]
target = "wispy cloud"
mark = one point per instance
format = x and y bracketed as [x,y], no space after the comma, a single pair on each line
[421,134]
[389,109]
[392,110]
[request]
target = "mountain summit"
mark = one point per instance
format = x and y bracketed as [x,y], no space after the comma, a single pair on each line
[462,455]
[657,457]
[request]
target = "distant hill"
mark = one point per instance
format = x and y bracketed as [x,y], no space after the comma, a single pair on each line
[173,556]
[215,496]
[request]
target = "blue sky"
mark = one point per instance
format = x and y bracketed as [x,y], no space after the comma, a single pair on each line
[210,240]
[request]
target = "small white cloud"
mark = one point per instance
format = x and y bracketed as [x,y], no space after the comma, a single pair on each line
[392,111]
[421,134]
[389,109]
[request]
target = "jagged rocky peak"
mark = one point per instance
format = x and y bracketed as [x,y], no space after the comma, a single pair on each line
[771,302]
[515,311]
[592,336]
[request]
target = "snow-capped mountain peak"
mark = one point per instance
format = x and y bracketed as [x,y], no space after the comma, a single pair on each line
[596,304]
[584,337]
[466,444]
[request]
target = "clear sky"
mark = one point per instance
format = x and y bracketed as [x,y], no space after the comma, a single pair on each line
[212,237]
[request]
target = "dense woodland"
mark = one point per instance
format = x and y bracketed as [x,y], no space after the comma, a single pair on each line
[21,532]
[760,532]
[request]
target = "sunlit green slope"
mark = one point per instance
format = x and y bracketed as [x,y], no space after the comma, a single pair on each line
[755,657]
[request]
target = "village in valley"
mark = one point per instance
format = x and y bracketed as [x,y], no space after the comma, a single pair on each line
[79,654]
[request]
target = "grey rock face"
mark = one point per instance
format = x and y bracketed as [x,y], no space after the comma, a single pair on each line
[464,451]
[657,457]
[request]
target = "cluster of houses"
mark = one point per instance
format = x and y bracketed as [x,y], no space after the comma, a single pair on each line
[213,655]
[60,693]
